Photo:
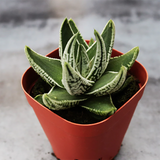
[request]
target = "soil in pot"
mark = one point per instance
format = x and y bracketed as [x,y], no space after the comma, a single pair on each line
[82,116]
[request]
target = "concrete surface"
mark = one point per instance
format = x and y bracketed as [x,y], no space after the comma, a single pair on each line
[36,23]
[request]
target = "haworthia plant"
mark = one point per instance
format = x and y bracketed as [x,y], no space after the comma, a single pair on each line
[85,75]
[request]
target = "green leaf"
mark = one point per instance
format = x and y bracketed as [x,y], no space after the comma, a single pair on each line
[58,98]
[122,79]
[83,62]
[128,80]
[126,60]
[49,69]
[100,63]
[70,49]
[109,82]
[73,82]
[75,30]
[39,99]
[108,35]
[99,105]
[65,34]
[91,42]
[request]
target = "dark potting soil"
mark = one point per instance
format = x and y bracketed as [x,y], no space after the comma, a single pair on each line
[80,115]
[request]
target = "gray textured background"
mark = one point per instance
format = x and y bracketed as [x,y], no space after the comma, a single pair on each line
[36,23]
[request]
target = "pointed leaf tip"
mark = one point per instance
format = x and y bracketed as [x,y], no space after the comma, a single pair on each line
[58,99]
[126,60]
[99,65]
[95,32]
[65,34]
[137,48]
[26,48]
[111,23]
[102,106]
[51,72]
[75,30]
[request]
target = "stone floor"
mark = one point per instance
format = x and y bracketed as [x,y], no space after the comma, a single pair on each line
[36,23]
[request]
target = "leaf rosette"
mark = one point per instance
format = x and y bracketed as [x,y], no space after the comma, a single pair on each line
[86,74]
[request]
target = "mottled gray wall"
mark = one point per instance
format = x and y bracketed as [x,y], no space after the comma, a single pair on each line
[20,10]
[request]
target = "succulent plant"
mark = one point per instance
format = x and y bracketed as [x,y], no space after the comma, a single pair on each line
[86,74]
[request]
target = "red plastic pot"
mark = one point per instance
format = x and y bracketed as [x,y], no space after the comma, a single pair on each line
[71,141]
